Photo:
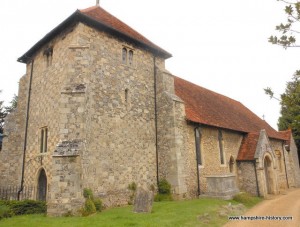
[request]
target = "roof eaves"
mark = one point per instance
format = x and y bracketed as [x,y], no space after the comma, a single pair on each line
[78,16]
[25,58]
[96,24]
[215,126]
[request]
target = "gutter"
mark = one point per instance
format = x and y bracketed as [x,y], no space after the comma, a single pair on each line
[286,176]
[155,117]
[26,130]
[198,150]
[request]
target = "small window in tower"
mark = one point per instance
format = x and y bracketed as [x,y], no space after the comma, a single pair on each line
[126,95]
[130,57]
[48,52]
[127,98]
[43,140]
[124,55]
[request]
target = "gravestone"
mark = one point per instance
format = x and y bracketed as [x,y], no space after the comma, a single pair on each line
[143,201]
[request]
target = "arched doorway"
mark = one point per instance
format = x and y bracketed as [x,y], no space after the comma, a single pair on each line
[42,186]
[268,175]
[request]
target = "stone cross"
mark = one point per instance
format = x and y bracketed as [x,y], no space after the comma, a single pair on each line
[97,2]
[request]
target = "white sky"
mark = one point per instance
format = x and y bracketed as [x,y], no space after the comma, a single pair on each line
[220,45]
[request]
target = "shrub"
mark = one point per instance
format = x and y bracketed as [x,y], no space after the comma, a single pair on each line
[5,212]
[91,204]
[164,187]
[88,193]
[89,207]
[132,186]
[68,214]
[98,204]
[26,206]
[164,191]
[163,197]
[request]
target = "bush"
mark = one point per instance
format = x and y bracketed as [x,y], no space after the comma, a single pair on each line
[9,208]
[132,186]
[98,204]
[164,191]
[5,212]
[28,207]
[91,204]
[88,193]
[164,187]
[89,208]
[163,197]
[25,206]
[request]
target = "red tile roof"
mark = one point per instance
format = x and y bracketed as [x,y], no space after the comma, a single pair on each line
[287,134]
[248,147]
[100,19]
[209,108]
[102,16]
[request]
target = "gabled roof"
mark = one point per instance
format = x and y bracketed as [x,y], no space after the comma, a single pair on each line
[210,108]
[100,19]
[287,135]
[248,147]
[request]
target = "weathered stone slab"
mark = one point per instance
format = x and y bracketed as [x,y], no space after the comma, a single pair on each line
[222,186]
[143,201]
[68,148]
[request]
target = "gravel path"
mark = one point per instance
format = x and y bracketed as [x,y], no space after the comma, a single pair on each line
[278,206]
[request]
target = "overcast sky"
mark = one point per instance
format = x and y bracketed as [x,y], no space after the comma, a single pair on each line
[220,45]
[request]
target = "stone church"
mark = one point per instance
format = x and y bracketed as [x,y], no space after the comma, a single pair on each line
[97,109]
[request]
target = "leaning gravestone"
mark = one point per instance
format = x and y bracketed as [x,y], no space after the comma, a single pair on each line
[143,201]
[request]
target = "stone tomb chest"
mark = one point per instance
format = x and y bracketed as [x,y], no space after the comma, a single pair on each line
[222,186]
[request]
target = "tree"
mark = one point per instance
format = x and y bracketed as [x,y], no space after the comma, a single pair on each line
[13,105]
[4,110]
[290,100]
[290,108]
[2,115]
[289,29]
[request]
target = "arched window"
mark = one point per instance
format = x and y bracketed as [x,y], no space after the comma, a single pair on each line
[48,52]
[221,148]
[44,140]
[198,146]
[124,55]
[130,57]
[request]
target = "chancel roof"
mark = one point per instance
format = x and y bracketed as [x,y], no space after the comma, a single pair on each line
[206,107]
[210,108]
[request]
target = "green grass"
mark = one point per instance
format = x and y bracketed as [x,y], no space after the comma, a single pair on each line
[246,199]
[175,213]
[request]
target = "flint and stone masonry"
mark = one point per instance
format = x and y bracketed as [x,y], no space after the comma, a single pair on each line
[104,113]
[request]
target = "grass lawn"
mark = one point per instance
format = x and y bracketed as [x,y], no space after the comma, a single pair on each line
[176,213]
